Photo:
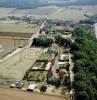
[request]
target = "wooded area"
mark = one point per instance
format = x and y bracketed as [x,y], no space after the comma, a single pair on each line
[85,58]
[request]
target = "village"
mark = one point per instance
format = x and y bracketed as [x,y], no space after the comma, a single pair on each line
[50,73]
[38,59]
[48,49]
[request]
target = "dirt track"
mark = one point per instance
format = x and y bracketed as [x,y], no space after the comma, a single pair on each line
[8,94]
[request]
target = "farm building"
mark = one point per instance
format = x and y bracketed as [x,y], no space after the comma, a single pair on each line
[31,87]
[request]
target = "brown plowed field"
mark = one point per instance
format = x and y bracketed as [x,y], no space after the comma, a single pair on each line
[13,34]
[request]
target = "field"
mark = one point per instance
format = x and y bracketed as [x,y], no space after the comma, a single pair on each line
[17,26]
[14,59]
[11,41]
[8,94]
[53,12]
[16,67]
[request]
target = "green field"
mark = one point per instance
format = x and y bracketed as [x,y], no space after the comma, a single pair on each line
[21,27]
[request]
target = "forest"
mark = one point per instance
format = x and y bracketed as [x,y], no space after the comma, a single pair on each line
[85,58]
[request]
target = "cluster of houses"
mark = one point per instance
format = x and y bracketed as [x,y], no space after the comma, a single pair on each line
[53,71]
[51,67]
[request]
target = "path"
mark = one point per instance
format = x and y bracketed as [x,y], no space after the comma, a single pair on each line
[71,76]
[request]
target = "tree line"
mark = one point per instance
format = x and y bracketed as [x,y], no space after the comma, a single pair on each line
[85,68]
[46,41]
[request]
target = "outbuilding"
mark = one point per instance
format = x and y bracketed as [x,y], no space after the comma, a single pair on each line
[31,87]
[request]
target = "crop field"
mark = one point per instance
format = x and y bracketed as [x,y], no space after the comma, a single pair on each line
[11,41]
[19,27]
[75,13]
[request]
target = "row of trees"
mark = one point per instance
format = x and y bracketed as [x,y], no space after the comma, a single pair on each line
[62,41]
[85,58]
[43,41]
[46,41]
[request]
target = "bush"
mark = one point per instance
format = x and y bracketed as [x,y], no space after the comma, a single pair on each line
[43,88]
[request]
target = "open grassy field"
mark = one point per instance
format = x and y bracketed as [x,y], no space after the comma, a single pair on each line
[19,27]
[8,94]
[16,67]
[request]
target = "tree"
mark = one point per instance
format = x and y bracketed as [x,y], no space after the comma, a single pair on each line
[85,67]
[42,41]
[43,88]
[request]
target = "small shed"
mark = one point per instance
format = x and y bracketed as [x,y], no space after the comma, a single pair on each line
[31,87]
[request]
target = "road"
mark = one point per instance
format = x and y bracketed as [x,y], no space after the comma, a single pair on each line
[72,93]
[35,35]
